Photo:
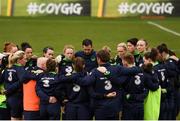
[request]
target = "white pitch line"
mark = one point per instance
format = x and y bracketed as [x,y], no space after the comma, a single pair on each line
[164,28]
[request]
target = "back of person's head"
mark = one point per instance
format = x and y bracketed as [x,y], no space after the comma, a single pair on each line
[171,53]
[163,48]
[129,58]
[103,55]
[12,59]
[153,55]
[87,42]
[25,45]
[147,67]
[18,55]
[133,41]
[50,65]
[106,48]
[41,62]
[3,61]
[1,56]
[79,64]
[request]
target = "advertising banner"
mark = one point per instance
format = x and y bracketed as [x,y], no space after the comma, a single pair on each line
[49,7]
[100,8]
[119,8]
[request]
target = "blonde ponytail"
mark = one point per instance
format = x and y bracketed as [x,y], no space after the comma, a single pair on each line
[12,59]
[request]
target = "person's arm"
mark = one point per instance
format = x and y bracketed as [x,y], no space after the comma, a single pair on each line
[60,91]
[178,65]
[170,65]
[11,89]
[16,85]
[139,97]
[118,80]
[168,88]
[173,73]
[40,93]
[150,83]
[96,95]
[128,71]
[87,80]
[2,77]
[29,76]
[63,78]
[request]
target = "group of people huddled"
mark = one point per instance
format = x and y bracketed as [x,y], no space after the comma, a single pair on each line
[89,84]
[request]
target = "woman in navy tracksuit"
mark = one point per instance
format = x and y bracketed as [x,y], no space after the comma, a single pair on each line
[47,83]
[78,105]
[11,77]
[163,76]
[173,99]
[104,108]
[4,109]
[172,96]
[65,67]
[135,89]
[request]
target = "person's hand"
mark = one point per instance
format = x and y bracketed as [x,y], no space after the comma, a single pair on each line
[52,99]
[34,57]
[65,101]
[58,59]
[102,69]
[4,92]
[174,58]
[111,95]
[163,90]
[127,96]
[63,109]
[37,71]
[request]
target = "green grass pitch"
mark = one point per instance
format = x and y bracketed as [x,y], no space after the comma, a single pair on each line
[59,31]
